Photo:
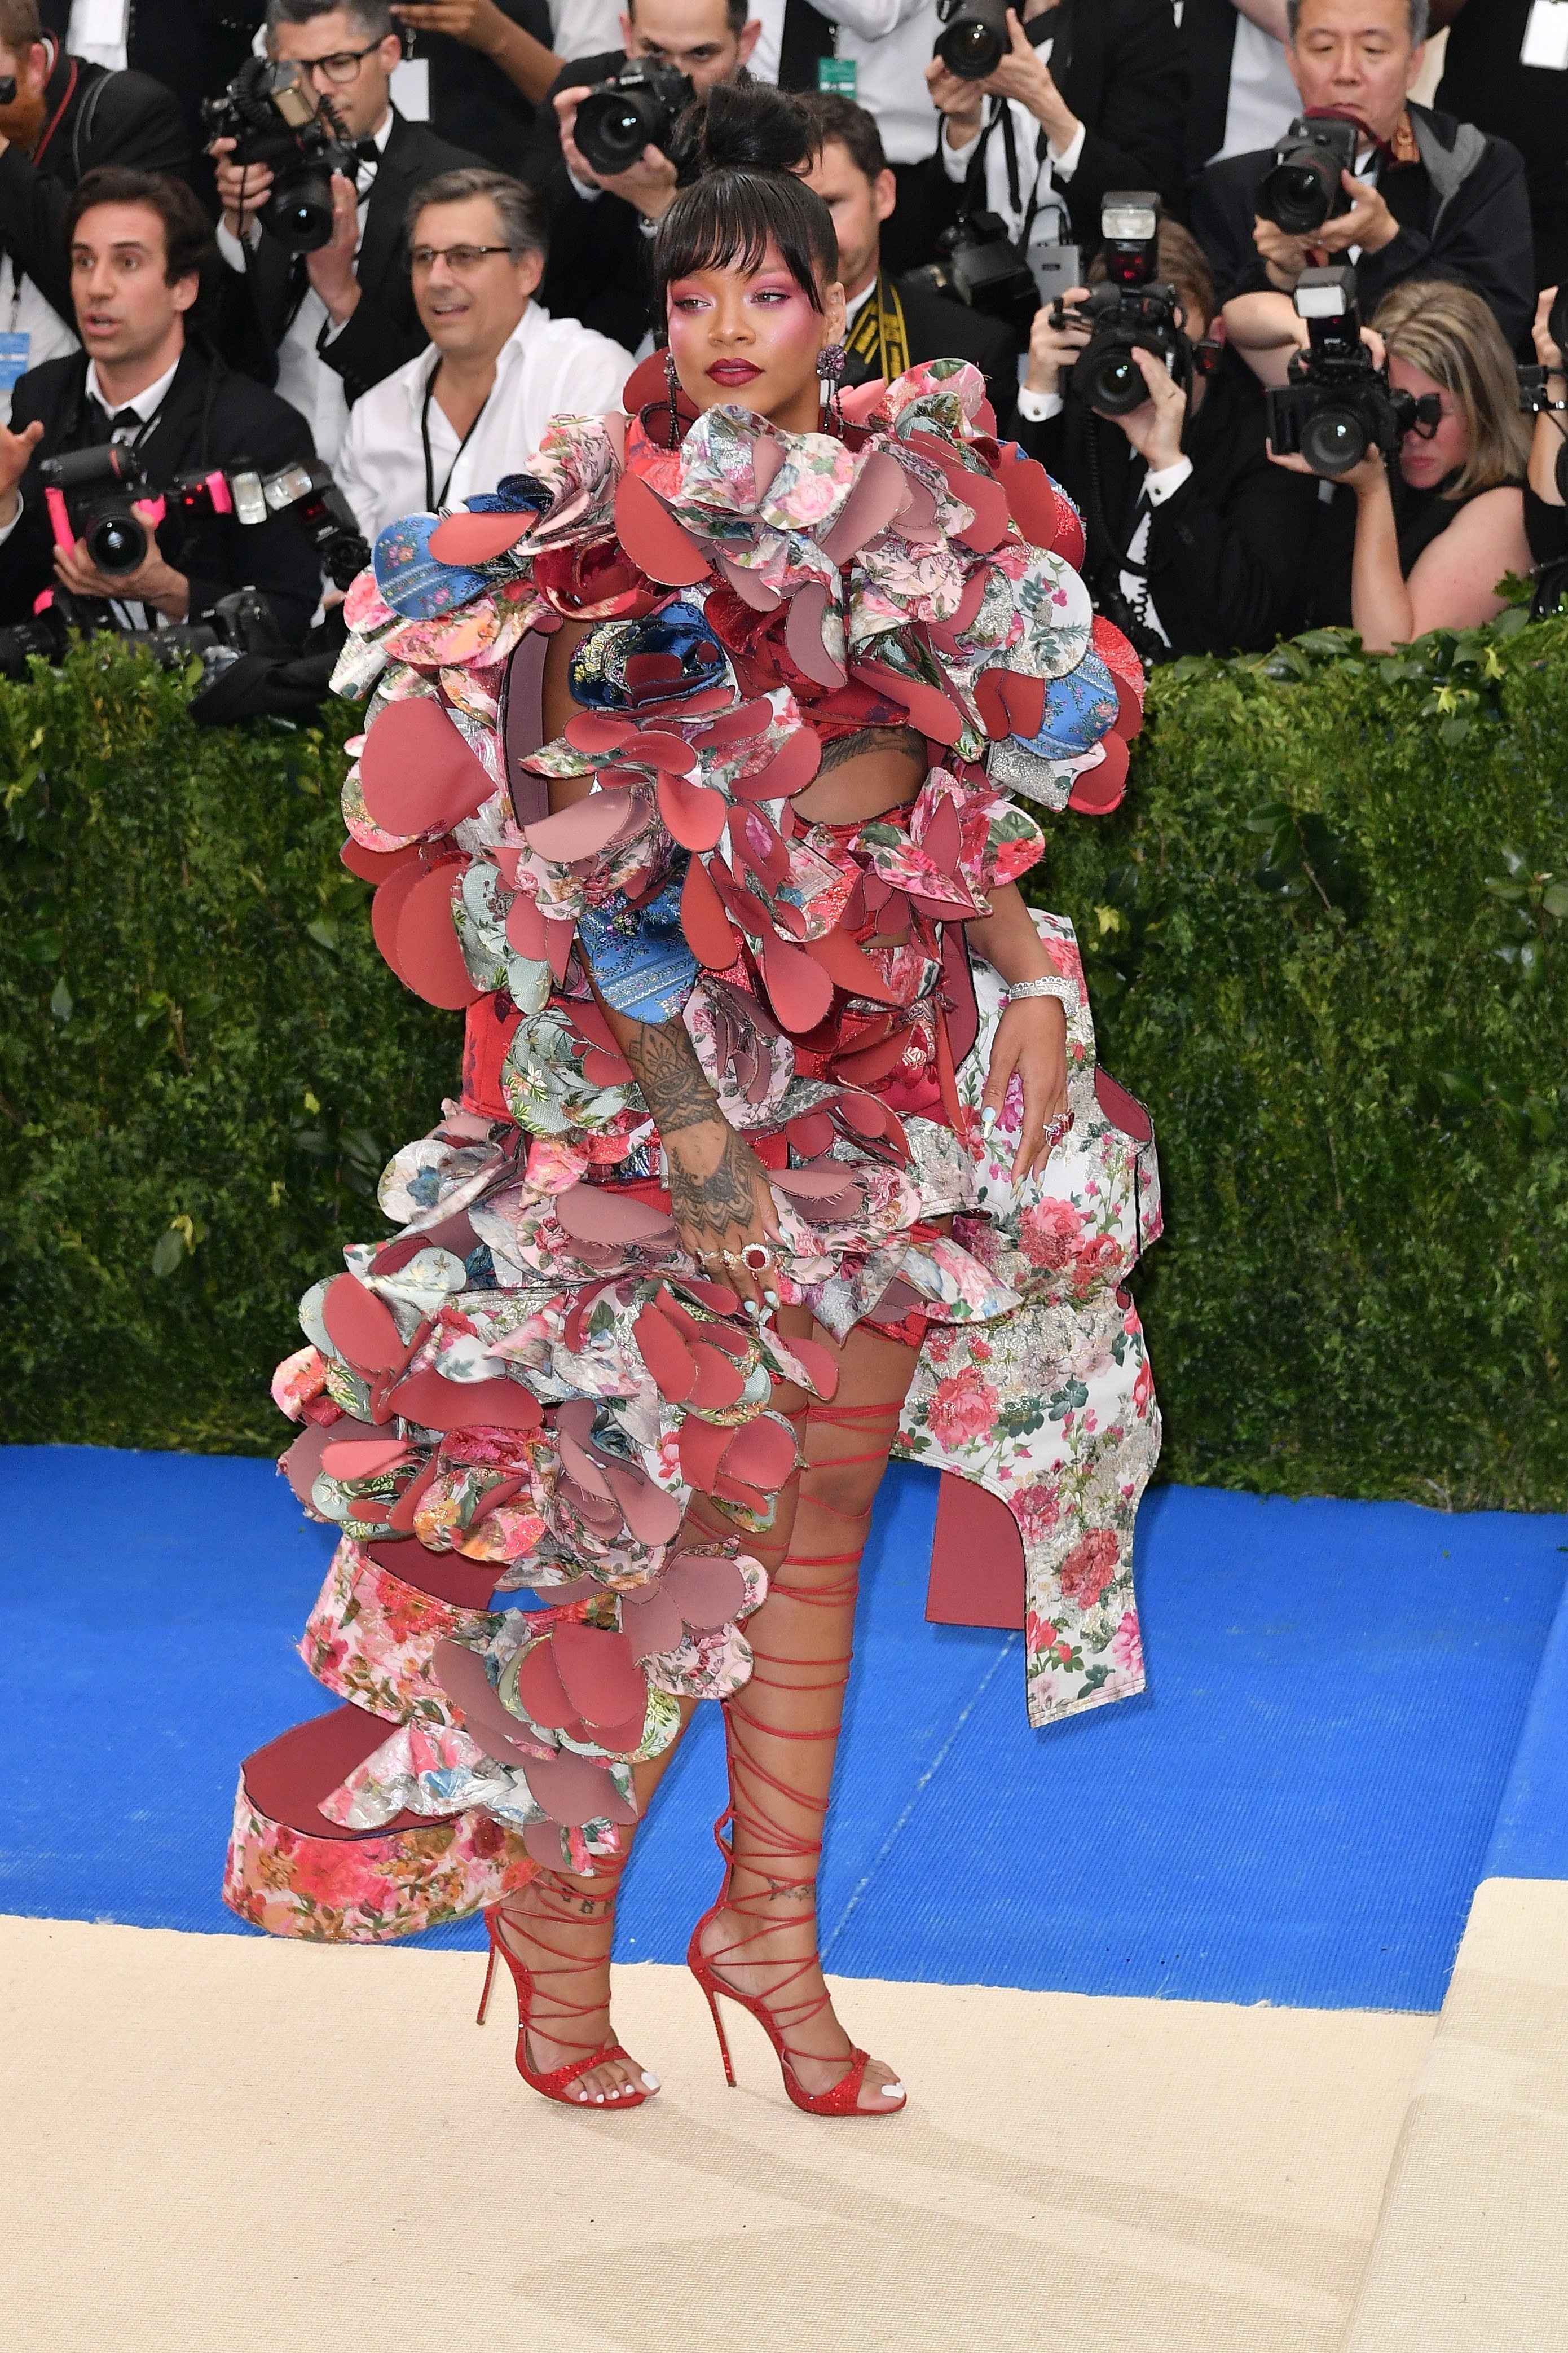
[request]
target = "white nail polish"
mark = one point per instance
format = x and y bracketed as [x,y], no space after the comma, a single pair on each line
[893,2091]
[650,2082]
[598,2099]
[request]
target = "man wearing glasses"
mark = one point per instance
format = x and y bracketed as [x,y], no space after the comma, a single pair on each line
[474,407]
[324,326]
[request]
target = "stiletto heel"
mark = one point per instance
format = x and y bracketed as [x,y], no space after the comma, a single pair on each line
[711,1991]
[556,2083]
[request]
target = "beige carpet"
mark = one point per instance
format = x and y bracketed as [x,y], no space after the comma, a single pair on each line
[219,2145]
[1472,2256]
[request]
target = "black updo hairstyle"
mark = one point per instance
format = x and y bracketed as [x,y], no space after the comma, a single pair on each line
[750,142]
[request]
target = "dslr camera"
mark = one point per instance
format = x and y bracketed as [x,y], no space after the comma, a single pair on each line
[240,623]
[1301,188]
[980,265]
[1128,311]
[270,113]
[91,495]
[638,107]
[1338,403]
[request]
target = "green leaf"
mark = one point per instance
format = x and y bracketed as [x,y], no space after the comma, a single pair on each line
[1554,899]
[1453,731]
[324,931]
[168,1252]
[62,1004]
[1271,817]
[44,947]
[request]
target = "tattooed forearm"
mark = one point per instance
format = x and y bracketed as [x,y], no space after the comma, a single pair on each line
[723,1197]
[670,1076]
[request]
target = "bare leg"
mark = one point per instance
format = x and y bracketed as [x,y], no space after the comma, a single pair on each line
[562,1924]
[783,1728]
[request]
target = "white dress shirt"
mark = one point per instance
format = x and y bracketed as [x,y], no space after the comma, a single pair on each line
[24,312]
[547,367]
[890,43]
[304,379]
[1039,176]
[1263,101]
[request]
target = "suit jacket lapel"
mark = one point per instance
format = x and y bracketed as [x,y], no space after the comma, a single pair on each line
[380,245]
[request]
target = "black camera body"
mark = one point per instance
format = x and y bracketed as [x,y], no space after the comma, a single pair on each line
[980,265]
[1130,310]
[90,495]
[1338,403]
[638,107]
[240,623]
[1302,188]
[270,113]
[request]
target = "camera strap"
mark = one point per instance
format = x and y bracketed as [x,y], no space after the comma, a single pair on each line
[879,336]
[975,179]
[432,503]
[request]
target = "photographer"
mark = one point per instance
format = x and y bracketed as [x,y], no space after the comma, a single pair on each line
[325,325]
[140,249]
[1195,544]
[891,324]
[67,117]
[600,222]
[473,408]
[491,65]
[1430,546]
[1428,198]
[1086,100]
[1545,512]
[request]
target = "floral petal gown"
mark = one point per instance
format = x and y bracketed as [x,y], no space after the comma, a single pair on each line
[506,1406]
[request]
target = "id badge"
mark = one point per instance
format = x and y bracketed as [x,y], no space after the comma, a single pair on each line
[839,73]
[1055,267]
[13,360]
[410,87]
[1546,36]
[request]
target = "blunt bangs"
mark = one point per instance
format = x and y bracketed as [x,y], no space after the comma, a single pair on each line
[729,219]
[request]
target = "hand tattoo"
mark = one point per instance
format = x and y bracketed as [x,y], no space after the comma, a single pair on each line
[720,1200]
[671,1078]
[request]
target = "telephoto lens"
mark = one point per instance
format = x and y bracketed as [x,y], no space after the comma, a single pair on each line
[1302,188]
[974,40]
[636,108]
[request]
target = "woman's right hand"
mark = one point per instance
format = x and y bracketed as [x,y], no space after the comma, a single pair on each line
[1051,349]
[1546,351]
[723,1204]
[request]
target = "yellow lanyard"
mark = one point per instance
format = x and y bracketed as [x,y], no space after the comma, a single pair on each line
[880,335]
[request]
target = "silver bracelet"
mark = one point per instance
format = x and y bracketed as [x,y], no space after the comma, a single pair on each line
[1062,990]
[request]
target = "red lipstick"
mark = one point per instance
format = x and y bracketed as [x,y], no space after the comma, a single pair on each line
[733,372]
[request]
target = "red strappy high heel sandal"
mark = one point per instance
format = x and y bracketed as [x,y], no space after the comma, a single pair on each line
[556,2084]
[781,2013]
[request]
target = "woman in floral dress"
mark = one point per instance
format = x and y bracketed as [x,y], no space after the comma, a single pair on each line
[692,770]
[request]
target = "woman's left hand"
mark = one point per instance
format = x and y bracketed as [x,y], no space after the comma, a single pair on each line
[1032,1041]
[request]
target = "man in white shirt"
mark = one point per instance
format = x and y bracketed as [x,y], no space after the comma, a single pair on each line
[473,408]
[324,326]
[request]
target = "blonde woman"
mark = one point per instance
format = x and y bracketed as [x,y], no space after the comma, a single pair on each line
[1429,555]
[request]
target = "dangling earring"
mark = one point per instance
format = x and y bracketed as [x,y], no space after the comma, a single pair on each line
[673,383]
[830,368]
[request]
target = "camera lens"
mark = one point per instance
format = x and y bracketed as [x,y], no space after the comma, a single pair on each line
[1333,440]
[1296,196]
[612,129]
[116,542]
[298,212]
[972,48]
[1112,382]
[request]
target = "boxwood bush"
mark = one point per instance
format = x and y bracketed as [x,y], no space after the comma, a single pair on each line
[1326,935]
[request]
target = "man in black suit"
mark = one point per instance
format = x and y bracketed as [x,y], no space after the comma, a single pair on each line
[140,247]
[463,43]
[1091,96]
[1433,197]
[1196,543]
[67,117]
[600,222]
[892,323]
[324,326]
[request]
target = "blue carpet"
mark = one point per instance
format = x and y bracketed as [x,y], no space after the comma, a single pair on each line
[1297,1812]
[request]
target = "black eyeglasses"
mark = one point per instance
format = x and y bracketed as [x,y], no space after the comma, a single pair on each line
[341,68]
[459,258]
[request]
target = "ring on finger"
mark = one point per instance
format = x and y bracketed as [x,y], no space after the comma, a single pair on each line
[756,1258]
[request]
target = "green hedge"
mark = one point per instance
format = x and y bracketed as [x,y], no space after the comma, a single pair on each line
[203,1063]
[1324,943]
